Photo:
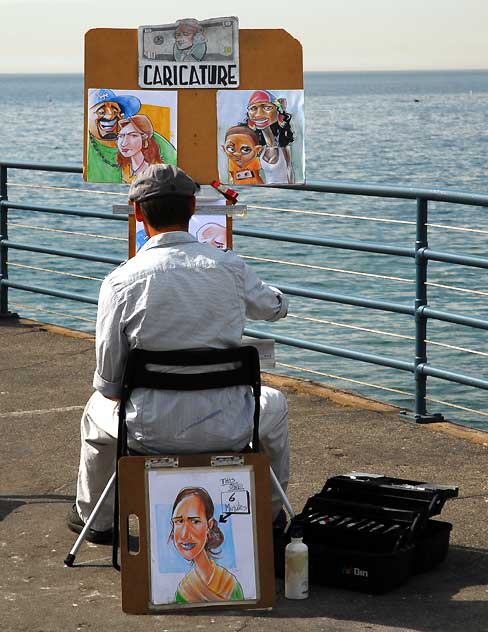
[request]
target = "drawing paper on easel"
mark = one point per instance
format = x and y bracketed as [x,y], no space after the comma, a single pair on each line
[202,536]
[210,229]
[127,131]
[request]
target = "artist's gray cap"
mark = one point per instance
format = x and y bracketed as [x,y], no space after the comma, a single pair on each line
[159,180]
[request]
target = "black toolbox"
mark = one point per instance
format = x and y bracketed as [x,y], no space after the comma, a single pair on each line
[370,532]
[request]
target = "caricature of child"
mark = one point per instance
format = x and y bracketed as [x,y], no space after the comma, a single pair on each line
[242,148]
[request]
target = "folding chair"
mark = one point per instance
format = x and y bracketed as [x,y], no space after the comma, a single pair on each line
[245,371]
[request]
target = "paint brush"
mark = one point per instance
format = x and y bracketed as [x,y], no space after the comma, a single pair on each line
[368,524]
[356,523]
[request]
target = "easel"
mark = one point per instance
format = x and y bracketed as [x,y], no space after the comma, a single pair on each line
[269,59]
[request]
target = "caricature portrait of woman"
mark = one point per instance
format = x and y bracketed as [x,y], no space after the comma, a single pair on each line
[197,537]
[267,116]
[136,146]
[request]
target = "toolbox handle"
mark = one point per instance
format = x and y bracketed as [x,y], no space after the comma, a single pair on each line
[377,510]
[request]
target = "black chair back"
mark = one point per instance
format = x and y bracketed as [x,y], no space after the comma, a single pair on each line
[141,372]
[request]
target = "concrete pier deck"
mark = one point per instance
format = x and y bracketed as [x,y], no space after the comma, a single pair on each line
[45,378]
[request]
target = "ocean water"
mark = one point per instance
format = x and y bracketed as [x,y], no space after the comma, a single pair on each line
[427,129]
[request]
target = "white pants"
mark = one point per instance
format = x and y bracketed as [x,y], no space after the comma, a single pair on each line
[99,449]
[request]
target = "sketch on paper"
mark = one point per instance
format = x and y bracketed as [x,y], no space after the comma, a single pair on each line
[202,536]
[190,53]
[209,229]
[260,136]
[127,131]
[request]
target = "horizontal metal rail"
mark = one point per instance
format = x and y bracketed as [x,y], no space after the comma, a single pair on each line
[427,369]
[345,244]
[348,300]
[421,254]
[447,257]
[374,190]
[37,166]
[337,351]
[62,211]
[74,254]
[323,186]
[449,317]
[49,292]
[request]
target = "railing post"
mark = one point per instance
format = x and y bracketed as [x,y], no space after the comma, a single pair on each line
[421,242]
[4,312]
[3,235]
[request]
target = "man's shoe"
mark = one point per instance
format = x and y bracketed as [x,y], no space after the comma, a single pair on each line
[76,524]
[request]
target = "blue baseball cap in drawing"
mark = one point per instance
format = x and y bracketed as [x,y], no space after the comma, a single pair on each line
[130,105]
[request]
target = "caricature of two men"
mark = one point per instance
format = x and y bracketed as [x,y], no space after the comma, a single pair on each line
[258,149]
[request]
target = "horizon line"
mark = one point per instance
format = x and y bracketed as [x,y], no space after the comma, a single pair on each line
[348,70]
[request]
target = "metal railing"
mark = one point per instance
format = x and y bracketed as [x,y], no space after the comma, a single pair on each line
[420,254]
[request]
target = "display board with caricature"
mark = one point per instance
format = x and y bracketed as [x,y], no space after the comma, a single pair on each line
[205,532]
[124,110]
[268,63]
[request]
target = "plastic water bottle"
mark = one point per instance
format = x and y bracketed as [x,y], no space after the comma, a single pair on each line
[296,567]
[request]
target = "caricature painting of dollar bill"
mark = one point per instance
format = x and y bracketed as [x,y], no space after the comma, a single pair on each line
[128,130]
[260,138]
[190,53]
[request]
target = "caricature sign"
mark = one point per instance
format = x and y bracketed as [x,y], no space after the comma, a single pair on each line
[190,54]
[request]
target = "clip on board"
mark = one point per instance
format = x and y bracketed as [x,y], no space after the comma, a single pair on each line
[205,532]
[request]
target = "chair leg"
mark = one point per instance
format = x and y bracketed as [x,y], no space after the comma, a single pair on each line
[282,494]
[70,558]
[79,541]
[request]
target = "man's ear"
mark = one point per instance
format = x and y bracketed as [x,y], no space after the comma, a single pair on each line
[137,212]
[194,204]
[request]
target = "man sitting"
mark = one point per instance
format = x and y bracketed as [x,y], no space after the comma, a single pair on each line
[176,293]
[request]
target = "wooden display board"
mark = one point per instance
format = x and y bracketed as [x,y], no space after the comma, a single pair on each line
[163,572]
[269,59]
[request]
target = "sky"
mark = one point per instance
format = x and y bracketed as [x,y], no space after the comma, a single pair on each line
[44,36]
